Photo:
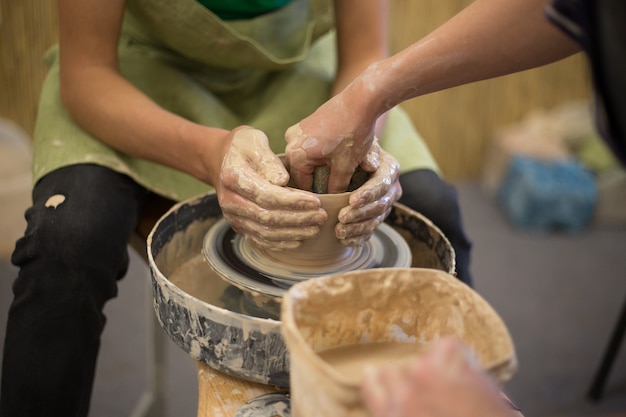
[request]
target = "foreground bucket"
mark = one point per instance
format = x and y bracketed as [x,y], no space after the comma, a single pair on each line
[415,306]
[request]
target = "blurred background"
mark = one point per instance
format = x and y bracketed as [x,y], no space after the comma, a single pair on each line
[543,202]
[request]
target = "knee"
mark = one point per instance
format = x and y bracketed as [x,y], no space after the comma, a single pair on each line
[63,249]
[424,191]
[67,235]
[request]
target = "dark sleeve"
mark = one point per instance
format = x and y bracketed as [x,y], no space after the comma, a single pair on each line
[598,26]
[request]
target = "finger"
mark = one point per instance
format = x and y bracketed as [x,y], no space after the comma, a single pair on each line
[356,149]
[275,218]
[373,392]
[273,233]
[340,176]
[449,359]
[357,234]
[354,230]
[398,390]
[377,208]
[252,186]
[272,168]
[274,239]
[371,161]
[376,187]
[275,245]
[253,145]
[403,402]
[356,241]
[461,350]
[451,363]
[302,176]
[301,169]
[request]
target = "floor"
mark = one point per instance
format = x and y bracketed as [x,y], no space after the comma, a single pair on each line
[560,296]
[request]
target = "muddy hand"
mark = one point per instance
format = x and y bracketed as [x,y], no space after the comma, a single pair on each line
[310,144]
[371,203]
[254,200]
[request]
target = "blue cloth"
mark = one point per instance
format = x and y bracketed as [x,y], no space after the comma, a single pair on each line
[543,196]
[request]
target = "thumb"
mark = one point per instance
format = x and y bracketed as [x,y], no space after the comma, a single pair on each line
[253,144]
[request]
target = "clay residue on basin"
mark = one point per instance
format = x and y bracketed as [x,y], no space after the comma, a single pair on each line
[198,310]
[196,278]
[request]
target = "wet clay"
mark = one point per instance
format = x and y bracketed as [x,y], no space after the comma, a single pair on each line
[197,279]
[321,252]
[351,361]
[239,262]
[264,278]
[55,201]
[324,251]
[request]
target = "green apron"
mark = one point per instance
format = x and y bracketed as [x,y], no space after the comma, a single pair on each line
[268,72]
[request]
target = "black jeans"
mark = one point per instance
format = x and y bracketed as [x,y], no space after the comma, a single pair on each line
[425,192]
[70,259]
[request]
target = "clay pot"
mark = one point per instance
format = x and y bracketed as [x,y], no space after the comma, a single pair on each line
[414,305]
[323,251]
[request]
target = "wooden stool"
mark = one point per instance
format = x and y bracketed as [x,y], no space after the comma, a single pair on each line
[222,395]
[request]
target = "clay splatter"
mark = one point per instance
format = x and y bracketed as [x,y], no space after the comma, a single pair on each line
[55,201]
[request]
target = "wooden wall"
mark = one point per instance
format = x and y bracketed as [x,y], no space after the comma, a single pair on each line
[27,29]
[458,124]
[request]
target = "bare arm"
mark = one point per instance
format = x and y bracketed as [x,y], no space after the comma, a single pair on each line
[108,106]
[248,177]
[487,39]
[361,37]
[361,41]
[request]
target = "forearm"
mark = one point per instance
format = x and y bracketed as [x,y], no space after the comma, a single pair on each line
[361,37]
[110,108]
[489,38]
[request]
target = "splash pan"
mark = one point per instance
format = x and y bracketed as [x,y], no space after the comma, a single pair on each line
[208,317]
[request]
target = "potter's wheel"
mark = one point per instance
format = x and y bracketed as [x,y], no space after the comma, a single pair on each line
[276,404]
[222,333]
[247,267]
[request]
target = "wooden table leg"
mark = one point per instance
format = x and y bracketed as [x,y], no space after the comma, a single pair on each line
[222,395]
